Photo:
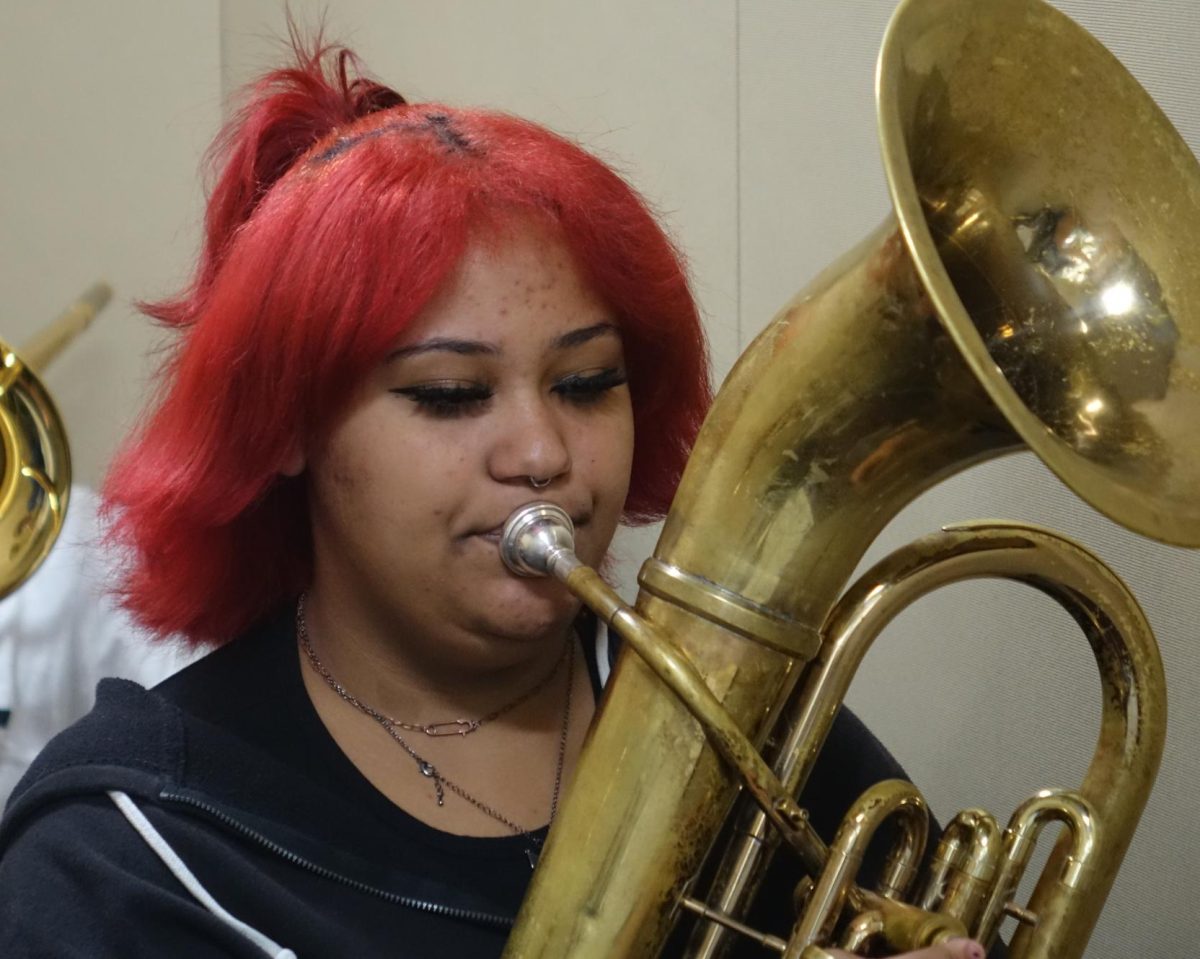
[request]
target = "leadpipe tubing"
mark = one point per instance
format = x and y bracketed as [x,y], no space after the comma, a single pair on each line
[538,540]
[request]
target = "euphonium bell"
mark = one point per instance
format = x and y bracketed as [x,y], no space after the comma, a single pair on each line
[1036,287]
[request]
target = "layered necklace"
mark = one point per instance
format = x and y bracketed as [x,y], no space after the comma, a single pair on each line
[457,727]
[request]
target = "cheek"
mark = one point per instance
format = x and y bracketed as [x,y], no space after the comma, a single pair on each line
[346,473]
[343,478]
[608,452]
[392,477]
[622,452]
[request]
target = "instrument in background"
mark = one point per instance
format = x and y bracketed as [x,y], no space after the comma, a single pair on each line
[35,462]
[1037,286]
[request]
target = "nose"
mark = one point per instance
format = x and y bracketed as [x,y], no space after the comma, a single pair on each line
[530,445]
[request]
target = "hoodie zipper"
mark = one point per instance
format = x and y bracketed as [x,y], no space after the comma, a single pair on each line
[420,905]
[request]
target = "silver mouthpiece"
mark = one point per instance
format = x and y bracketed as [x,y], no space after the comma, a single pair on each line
[539,540]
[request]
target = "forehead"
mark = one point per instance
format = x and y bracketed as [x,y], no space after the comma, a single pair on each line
[517,285]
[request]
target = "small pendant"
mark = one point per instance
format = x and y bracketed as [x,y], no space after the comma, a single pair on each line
[430,771]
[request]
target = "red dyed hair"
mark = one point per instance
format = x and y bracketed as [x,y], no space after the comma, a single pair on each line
[338,211]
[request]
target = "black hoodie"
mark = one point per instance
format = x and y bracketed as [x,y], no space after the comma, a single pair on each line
[269,840]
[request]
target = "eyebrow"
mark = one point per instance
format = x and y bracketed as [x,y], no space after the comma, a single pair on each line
[444,344]
[584,335]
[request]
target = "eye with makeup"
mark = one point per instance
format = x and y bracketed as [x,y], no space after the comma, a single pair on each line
[448,399]
[584,389]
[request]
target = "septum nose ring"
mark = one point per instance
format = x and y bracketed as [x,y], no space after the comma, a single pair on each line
[539,483]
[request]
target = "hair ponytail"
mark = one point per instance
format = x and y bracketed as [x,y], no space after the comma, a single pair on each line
[284,114]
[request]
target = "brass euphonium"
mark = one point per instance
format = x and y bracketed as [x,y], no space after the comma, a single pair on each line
[1037,286]
[35,461]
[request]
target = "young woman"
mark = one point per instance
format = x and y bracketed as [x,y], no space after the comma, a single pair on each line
[407,321]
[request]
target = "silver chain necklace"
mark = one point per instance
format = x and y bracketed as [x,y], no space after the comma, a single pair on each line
[464,727]
[428,769]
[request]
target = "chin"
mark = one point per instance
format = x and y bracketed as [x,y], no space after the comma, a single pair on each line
[530,609]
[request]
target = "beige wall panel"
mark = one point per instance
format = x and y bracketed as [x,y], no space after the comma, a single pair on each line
[986,691]
[649,87]
[106,109]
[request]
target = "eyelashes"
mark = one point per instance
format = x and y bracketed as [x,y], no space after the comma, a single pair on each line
[446,401]
[452,400]
[582,388]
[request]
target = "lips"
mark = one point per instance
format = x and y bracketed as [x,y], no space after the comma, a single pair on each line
[580,519]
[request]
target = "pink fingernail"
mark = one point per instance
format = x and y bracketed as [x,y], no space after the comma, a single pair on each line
[972,950]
